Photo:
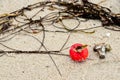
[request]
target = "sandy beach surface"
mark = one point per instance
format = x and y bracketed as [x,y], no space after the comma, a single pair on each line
[40,66]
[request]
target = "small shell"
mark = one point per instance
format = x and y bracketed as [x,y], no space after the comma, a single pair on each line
[102,49]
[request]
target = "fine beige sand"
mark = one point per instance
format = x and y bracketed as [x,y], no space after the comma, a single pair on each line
[40,67]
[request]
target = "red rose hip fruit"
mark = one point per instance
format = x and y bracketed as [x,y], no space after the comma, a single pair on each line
[78,52]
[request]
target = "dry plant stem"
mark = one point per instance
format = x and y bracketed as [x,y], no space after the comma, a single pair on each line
[34,52]
[102,1]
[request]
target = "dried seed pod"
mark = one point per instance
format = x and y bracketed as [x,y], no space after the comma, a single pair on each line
[108,47]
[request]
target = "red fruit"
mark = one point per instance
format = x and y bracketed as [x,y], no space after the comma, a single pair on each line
[78,52]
